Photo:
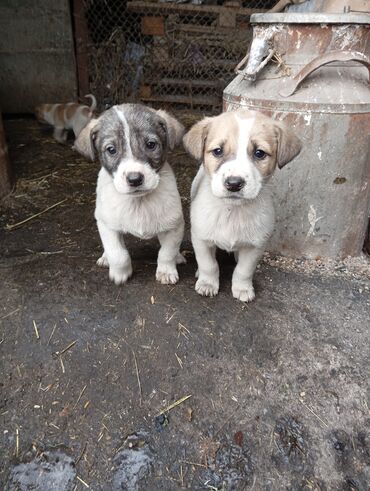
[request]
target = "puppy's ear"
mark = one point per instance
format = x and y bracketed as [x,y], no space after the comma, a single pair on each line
[194,139]
[289,145]
[175,129]
[84,143]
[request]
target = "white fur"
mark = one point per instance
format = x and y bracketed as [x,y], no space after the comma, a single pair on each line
[242,166]
[151,178]
[126,128]
[157,213]
[240,222]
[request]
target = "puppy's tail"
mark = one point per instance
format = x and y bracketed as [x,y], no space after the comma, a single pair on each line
[93,102]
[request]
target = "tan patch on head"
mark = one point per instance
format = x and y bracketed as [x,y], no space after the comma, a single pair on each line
[264,136]
[277,140]
[245,113]
[194,139]
[211,133]
[289,145]
[223,132]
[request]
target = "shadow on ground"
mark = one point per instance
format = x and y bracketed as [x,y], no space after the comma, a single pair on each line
[278,387]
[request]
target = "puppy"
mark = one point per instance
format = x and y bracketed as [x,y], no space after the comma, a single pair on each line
[231,203]
[136,191]
[64,117]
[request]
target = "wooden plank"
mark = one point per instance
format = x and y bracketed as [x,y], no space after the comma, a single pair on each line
[233,3]
[152,26]
[195,100]
[145,90]
[170,8]
[81,43]
[219,32]
[175,65]
[183,82]
[6,180]
[227,18]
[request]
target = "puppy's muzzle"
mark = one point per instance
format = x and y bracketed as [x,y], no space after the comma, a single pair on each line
[234,183]
[135,179]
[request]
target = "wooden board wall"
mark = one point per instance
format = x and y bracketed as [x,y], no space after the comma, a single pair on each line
[36,54]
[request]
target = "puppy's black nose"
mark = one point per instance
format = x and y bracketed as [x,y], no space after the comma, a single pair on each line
[234,183]
[135,179]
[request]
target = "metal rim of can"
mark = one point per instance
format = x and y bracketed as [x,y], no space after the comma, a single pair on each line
[310,18]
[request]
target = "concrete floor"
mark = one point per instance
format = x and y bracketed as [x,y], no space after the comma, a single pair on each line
[278,387]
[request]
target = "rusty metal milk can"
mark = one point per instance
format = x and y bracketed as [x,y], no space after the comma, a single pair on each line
[312,71]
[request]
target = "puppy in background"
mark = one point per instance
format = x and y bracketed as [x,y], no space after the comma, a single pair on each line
[65,117]
[136,190]
[231,203]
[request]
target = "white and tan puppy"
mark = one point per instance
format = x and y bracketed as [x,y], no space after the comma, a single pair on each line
[136,191]
[231,204]
[65,117]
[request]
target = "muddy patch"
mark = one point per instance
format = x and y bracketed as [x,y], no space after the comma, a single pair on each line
[352,459]
[229,462]
[133,463]
[290,444]
[45,471]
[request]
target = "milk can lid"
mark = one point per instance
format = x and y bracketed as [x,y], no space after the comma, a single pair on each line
[310,18]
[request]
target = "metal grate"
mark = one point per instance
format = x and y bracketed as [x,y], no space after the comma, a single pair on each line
[165,53]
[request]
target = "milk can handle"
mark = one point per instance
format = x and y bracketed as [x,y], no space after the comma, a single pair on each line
[292,84]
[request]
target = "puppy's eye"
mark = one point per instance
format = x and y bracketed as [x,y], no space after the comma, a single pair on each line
[259,154]
[111,149]
[152,145]
[218,152]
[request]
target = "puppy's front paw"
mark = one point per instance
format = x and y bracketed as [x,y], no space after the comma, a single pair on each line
[244,293]
[180,259]
[167,274]
[207,288]
[120,275]
[102,262]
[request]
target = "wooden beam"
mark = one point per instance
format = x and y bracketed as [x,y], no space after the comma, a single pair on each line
[141,6]
[152,26]
[184,82]
[219,32]
[196,100]
[227,18]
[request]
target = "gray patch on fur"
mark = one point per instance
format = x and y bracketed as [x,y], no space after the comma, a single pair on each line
[144,125]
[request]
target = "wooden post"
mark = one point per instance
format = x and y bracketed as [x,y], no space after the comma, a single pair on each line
[6,180]
[81,35]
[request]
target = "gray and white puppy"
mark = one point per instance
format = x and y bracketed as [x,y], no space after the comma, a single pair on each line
[136,190]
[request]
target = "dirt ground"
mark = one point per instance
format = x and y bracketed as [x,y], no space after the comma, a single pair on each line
[276,390]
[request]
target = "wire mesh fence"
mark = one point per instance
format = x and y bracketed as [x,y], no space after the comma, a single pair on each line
[165,52]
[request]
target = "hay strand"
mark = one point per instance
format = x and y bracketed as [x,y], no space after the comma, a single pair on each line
[175,404]
[19,224]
